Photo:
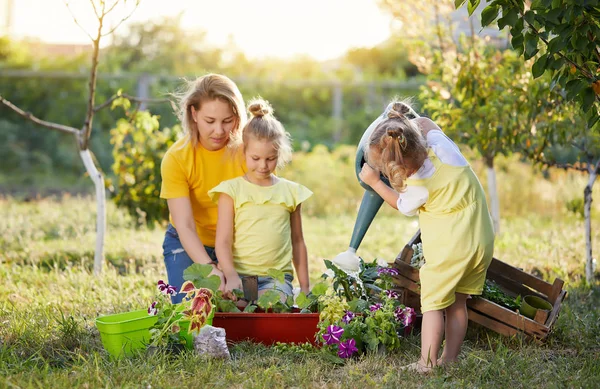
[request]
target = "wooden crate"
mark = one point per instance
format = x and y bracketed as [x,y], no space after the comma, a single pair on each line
[511,280]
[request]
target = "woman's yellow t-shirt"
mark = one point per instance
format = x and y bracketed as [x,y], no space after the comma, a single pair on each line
[262,236]
[189,171]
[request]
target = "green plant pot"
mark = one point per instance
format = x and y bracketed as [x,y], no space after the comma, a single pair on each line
[124,333]
[531,304]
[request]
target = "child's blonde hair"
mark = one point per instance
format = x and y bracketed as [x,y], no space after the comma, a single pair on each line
[264,126]
[397,146]
[207,88]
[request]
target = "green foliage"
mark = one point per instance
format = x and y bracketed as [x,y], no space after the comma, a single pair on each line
[566,32]
[493,293]
[576,206]
[200,276]
[138,148]
[486,98]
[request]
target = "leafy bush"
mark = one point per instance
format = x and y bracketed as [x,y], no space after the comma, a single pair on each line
[138,148]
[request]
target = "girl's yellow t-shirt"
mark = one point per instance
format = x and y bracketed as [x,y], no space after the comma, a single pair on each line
[189,171]
[262,236]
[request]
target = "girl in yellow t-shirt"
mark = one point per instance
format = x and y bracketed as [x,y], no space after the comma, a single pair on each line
[430,177]
[260,220]
[212,114]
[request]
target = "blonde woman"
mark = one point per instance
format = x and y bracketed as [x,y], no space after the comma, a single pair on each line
[212,114]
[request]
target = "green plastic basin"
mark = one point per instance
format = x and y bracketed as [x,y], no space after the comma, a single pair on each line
[124,333]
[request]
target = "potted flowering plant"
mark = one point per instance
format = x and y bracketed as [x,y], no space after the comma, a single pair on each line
[360,312]
[177,323]
[264,319]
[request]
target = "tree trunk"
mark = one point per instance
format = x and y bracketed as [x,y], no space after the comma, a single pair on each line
[587,213]
[98,179]
[493,193]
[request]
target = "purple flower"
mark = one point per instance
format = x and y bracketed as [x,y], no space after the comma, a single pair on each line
[171,290]
[348,316]
[162,286]
[152,310]
[391,294]
[347,348]
[375,307]
[405,315]
[387,270]
[167,289]
[333,334]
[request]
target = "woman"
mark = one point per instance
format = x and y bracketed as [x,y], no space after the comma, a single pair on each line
[212,114]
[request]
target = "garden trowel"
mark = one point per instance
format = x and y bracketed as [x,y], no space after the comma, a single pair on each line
[250,287]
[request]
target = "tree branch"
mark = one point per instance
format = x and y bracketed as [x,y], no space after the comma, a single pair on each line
[43,123]
[582,70]
[95,9]
[137,3]
[75,19]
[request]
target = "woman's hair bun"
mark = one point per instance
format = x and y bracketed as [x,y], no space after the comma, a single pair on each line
[260,108]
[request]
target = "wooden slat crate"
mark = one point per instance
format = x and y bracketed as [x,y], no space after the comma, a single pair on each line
[511,280]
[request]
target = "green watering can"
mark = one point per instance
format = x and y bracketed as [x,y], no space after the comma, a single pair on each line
[371,201]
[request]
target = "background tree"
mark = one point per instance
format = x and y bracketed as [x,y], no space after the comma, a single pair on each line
[101,9]
[566,33]
[486,98]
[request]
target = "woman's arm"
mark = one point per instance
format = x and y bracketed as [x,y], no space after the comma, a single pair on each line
[224,242]
[181,211]
[182,214]
[299,252]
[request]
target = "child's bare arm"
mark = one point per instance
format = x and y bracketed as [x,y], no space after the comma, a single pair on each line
[426,125]
[224,242]
[372,178]
[299,252]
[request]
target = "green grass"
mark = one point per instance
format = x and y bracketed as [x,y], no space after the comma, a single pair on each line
[49,300]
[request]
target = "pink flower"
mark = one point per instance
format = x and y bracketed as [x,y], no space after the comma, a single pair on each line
[167,289]
[152,310]
[405,315]
[375,307]
[391,294]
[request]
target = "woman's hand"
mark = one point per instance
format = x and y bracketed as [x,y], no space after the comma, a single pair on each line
[369,176]
[233,282]
[217,272]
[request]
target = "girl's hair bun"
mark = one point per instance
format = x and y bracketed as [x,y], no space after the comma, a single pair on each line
[260,108]
[393,114]
[401,108]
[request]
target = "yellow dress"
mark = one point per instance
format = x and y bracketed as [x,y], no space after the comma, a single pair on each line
[262,236]
[456,232]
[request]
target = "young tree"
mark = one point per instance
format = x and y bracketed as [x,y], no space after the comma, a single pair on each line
[487,98]
[566,33]
[101,9]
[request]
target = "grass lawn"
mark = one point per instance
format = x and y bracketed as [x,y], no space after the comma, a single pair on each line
[49,300]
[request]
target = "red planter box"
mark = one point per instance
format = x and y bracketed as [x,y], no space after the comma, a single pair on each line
[268,328]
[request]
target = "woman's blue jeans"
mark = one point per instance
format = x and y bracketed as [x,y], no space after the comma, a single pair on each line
[177,260]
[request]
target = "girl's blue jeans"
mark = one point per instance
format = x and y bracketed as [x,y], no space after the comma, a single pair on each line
[177,260]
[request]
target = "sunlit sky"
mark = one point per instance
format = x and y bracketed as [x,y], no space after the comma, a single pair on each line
[323,29]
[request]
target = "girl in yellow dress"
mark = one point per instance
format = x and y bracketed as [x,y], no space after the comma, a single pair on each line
[429,176]
[260,221]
